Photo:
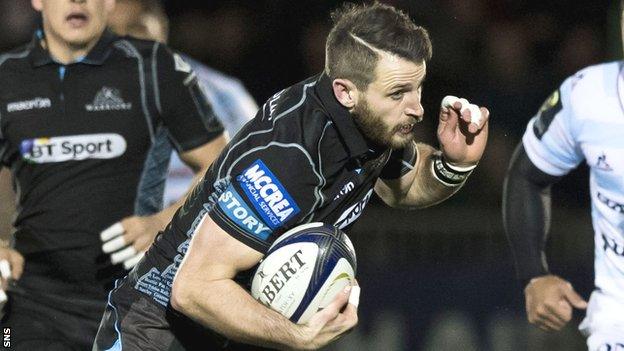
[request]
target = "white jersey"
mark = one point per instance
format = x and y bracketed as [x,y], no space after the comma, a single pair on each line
[232,105]
[584,120]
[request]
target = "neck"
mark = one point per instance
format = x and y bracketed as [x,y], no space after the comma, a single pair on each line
[64,52]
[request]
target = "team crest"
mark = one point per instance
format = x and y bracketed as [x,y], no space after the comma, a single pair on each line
[602,163]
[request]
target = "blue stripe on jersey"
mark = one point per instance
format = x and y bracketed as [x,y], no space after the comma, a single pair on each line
[234,207]
[149,199]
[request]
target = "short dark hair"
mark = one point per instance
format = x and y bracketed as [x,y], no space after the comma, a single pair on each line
[380,26]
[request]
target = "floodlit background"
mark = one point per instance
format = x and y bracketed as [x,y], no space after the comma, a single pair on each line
[441,278]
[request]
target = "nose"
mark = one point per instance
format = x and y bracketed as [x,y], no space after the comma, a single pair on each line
[415,109]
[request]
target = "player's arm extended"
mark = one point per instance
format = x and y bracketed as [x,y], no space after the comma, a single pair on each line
[419,187]
[437,175]
[526,214]
[204,290]
[199,160]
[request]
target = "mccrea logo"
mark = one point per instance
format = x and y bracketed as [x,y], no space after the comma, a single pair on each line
[235,209]
[108,99]
[72,148]
[352,213]
[267,194]
[36,103]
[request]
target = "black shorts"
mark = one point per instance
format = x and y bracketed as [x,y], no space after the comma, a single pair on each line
[47,326]
[58,302]
[134,322]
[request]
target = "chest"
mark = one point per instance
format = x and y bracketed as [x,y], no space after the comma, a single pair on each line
[75,112]
[349,194]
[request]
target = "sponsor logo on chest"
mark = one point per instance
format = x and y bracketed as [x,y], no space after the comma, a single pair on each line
[108,99]
[73,148]
[354,212]
[37,103]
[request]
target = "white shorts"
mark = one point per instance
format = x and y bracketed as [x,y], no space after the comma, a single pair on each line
[604,323]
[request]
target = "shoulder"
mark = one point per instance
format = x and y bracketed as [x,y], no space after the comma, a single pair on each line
[598,80]
[217,80]
[593,91]
[9,59]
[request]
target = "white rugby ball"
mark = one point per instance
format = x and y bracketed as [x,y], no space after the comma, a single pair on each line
[304,270]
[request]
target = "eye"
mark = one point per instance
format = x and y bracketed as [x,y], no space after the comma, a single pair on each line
[397,95]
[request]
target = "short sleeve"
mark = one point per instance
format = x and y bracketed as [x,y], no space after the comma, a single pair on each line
[183,107]
[549,139]
[400,162]
[270,189]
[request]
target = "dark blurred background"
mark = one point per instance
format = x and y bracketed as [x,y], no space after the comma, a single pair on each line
[440,278]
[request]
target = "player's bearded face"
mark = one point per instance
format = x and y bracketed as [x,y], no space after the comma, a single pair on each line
[373,126]
[388,110]
[77,23]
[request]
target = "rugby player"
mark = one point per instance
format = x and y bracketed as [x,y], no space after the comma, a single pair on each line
[84,115]
[314,152]
[582,120]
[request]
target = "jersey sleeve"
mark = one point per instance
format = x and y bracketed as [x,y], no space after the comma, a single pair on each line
[549,139]
[400,162]
[269,190]
[183,107]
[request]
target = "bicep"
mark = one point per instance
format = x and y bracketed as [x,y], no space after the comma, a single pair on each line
[215,255]
[202,157]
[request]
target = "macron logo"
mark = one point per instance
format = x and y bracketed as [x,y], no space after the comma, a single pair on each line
[267,194]
[36,103]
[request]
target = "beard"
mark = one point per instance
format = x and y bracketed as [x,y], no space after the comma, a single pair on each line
[376,130]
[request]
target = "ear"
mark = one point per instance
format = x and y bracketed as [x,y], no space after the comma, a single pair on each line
[346,92]
[37,5]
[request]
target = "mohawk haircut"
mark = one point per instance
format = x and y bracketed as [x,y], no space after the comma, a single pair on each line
[361,32]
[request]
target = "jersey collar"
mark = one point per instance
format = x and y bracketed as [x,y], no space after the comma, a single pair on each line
[40,56]
[351,135]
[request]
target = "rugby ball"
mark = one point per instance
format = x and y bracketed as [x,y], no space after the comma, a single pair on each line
[304,270]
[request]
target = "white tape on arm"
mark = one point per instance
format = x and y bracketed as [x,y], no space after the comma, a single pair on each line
[475,112]
[131,262]
[3,297]
[112,231]
[354,297]
[5,269]
[123,255]
[114,245]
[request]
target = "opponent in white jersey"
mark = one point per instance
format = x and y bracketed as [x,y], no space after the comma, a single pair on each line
[582,120]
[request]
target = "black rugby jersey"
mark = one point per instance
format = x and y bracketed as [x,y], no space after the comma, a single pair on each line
[301,159]
[87,142]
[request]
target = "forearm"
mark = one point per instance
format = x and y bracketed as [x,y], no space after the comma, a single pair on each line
[418,188]
[226,308]
[526,215]
[164,217]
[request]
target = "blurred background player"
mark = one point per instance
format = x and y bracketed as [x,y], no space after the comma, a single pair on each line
[582,120]
[230,101]
[84,114]
[315,151]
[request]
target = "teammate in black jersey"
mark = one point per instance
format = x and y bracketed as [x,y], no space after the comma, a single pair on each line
[314,152]
[83,114]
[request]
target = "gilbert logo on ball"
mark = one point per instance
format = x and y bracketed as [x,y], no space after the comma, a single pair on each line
[304,270]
